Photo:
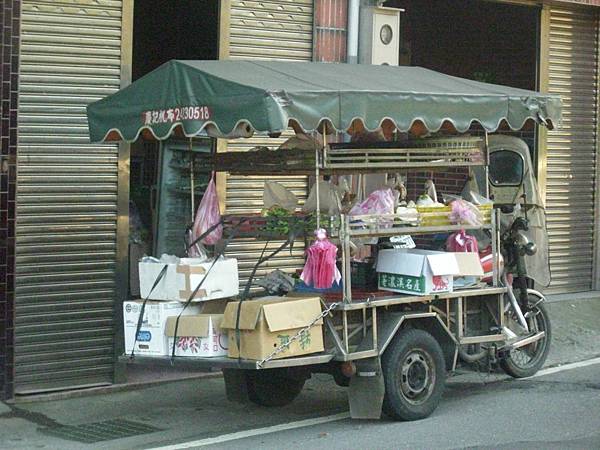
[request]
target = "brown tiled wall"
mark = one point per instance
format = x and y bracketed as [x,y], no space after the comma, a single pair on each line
[10,14]
[449,181]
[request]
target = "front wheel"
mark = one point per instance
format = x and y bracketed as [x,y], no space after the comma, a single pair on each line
[273,387]
[414,373]
[527,360]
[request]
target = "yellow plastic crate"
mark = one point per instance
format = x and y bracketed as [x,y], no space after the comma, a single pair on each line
[440,216]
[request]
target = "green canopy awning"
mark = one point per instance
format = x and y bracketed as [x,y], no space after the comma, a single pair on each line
[235,98]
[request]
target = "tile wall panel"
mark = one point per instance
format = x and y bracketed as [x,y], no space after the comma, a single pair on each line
[10,21]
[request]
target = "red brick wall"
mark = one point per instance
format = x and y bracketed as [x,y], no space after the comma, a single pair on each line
[331,18]
[9,61]
[449,181]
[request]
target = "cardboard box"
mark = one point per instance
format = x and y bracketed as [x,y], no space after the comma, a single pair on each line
[198,335]
[268,322]
[151,338]
[180,280]
[423,272]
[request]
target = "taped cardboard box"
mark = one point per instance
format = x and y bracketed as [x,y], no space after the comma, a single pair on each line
[423,272]
[181,279]
[151,337]
[268,322]
[199,335]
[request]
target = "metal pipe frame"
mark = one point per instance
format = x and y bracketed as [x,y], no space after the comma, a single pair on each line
[496,248]
[345,332]
[407,299]
[346,260]
[459,319]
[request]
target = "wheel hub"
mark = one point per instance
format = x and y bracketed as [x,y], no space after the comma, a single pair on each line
[416,377]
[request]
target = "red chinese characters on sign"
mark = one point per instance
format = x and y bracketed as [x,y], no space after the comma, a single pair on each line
[177,114]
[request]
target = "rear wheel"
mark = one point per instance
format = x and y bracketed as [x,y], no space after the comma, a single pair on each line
[414,373]
[527,360]
[273,387]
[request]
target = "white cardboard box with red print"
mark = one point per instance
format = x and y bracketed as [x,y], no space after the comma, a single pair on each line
[151,338]
[199,335]
[424,272]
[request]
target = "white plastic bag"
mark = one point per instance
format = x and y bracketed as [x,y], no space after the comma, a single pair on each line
[276,194]
[330,199]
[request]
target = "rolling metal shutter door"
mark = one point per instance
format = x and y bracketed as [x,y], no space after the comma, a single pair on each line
[66,197]
[281,30]
[571,150]
[269,29]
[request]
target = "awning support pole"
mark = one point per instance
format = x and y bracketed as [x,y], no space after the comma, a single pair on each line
[317,178]
[487,165]
[192,188]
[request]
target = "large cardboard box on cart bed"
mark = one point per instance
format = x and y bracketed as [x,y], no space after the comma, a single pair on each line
[268,322]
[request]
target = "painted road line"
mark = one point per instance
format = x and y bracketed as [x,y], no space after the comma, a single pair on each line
[575,365]
[333,418]
[256,432]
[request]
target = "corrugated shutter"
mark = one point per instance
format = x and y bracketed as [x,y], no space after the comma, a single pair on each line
[571,173]
[66,196]
[266,30]
[269,29]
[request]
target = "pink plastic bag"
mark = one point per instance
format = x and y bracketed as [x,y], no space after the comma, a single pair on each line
[208,214]
[380,201]
[320,270]
[461,242]
[464,212]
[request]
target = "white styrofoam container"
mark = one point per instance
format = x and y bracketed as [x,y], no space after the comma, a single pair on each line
[422,272]
[418,272]
[181,279]
[151,338]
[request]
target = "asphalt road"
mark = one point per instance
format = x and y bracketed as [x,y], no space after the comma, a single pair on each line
[557,411]
[560,410]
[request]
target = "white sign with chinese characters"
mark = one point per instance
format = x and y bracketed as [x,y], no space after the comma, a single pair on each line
[176,114]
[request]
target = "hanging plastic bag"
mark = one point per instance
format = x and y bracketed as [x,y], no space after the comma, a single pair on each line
[320,270]
[330,197]
[207,215]
[276,194]
[197,250]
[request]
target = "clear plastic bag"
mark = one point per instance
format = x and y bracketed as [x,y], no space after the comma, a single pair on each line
[464,212]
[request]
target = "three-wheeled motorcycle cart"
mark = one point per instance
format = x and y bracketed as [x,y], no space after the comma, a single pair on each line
[392,351]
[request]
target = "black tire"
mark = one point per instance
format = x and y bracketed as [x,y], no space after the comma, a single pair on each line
[341,379]
[526,361]
[273,387]
[414,373]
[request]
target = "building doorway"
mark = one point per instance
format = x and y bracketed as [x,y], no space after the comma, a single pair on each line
[162,31]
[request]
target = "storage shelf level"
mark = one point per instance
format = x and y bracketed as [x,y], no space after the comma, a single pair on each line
[371,231]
